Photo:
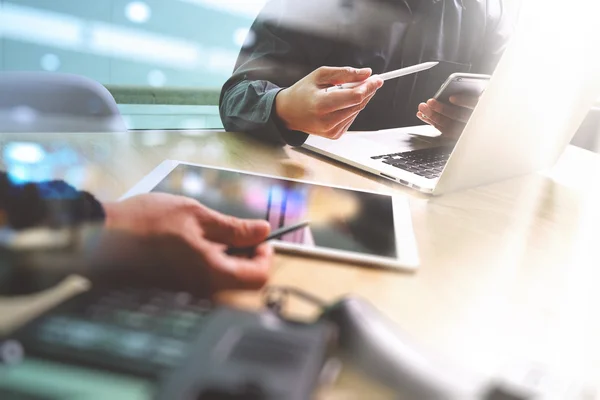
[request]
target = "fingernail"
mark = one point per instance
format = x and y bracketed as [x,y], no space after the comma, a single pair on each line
[364,71]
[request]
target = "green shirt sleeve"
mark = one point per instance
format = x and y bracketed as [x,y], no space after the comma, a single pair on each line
[249,107]
[275,56]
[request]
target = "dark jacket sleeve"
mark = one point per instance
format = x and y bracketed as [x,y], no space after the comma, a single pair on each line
[275,56]
[497,34]
[50,204]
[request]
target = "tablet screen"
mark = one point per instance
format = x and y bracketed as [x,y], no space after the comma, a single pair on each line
[340,219]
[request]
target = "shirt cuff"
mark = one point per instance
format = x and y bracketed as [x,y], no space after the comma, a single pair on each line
[293,138]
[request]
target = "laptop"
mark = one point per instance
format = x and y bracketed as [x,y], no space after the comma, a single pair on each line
[532,107]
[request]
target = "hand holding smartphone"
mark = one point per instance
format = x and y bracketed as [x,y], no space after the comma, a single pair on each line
[448,117]
[472,85]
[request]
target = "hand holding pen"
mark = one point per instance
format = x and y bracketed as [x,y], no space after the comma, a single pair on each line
[248,251]
[388,75]
[316,104]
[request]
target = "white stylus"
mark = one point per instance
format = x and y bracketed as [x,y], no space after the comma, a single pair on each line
[389,75]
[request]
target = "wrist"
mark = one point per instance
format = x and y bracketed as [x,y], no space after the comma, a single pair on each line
[111,214]
[282,108]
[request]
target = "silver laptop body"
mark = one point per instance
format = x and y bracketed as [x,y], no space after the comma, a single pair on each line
[542,89]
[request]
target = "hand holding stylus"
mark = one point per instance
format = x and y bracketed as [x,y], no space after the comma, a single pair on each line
[317,105]
[190,239]
[308,107]
[274,235]
[389,75]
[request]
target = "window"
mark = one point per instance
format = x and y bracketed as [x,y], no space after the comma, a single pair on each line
[164,60]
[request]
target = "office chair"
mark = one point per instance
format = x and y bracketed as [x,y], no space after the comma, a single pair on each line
[54,102]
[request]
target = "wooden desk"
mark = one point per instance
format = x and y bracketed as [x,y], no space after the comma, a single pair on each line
[509,272]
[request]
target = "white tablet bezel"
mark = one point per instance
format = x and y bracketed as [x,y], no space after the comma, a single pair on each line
[407,260]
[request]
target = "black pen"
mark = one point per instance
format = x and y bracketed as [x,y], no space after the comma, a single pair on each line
[273,235]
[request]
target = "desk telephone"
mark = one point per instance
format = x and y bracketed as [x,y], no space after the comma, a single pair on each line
[178,345]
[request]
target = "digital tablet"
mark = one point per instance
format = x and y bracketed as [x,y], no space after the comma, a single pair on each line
[345,224]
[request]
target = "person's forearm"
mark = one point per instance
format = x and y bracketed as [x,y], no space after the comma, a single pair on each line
[278,56]
[249,106]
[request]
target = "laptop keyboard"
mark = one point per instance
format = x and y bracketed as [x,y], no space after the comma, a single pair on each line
[428,163]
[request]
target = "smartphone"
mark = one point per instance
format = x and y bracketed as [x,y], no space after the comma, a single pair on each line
[462,84]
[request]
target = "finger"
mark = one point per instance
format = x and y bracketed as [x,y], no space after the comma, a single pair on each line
[428,121]
[233,231]
[231,272]
[344,128]
[452,131]
[330,133]
[464,101]
[339,117]
[454,112]
[327,76]
[340,99]
[434,117]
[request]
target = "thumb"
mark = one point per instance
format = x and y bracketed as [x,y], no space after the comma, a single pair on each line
[339,75]
[233,231]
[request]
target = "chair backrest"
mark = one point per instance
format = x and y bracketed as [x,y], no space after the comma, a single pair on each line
[56,102]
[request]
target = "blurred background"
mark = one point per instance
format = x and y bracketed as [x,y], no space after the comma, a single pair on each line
[163,60]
